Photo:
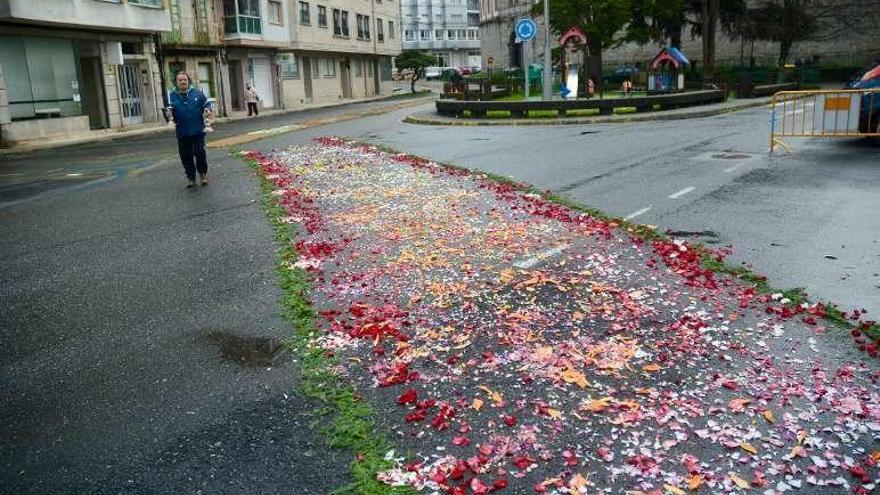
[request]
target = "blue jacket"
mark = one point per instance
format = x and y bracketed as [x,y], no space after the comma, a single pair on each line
[188,111]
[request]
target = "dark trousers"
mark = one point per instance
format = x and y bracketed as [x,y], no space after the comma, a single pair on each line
[252,109]
[192,154]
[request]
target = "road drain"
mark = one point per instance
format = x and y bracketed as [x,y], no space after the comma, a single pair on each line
[247,350]
[731,156]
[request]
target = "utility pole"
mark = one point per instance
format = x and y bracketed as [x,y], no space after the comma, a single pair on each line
[548,75]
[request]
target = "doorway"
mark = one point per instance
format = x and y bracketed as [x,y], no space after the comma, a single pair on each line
[307,77]
[92,91]
[130,84]
[236,85]
[262,81]
[345,77]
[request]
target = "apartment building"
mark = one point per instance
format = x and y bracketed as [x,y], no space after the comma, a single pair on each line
[340,49]
[71,66]
[448,29]
[195,46]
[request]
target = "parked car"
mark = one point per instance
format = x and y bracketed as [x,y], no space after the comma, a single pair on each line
[433,73]
[623,72]
[869,116]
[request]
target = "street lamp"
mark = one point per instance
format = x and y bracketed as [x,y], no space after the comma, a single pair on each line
[548,76]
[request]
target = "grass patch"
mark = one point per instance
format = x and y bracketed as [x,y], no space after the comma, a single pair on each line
[349,421]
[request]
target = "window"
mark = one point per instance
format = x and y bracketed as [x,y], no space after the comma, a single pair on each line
[385,68]
[304,13]
[472,34]
[206,79]
[473,20]
[369,64]
[340,22]
[450,34]
[409,35]
[289,66]
[425,35]
[329,68]
[380,31]
[148,3]
[473,4]
[322,16]
[276,13]
[457,18]
[462,34]
[359,20]
[316,68]
[438,34]
[390,30]
[242,16]
[366,27]
[358,67]
[438,18]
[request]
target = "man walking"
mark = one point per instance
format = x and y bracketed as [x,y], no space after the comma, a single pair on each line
[188,106]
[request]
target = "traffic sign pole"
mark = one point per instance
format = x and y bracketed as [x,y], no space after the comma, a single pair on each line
[526,29]
[548,75]
[525,59]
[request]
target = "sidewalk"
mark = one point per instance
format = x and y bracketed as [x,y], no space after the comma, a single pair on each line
[160,128]
[513,345]
[431,118]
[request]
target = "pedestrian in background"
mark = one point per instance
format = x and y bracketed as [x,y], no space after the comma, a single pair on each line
[189,106]
[627,87]
[251,97]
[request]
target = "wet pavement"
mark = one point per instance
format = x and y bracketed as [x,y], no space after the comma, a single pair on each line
[141,343]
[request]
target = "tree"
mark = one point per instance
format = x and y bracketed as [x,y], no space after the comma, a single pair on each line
[416,61]
[657,21]
[791,21]
[602,21]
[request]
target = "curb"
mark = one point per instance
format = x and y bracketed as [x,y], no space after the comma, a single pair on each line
[649,117]
[26,148]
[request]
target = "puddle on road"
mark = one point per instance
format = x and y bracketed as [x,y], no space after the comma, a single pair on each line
[247,350]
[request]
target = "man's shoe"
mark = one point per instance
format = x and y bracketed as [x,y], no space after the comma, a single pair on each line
[190,183]
[204,178]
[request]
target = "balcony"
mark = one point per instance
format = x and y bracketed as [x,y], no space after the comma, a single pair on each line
[242,24]
[146,16]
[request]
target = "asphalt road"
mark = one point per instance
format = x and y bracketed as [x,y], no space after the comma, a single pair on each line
[140,335]
[106,392]
[807,219]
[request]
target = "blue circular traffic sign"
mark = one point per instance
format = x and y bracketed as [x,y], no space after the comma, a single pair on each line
[526,29]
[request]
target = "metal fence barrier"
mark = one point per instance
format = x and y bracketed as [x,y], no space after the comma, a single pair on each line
[829,114]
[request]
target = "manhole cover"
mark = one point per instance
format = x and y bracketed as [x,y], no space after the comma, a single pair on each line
[730,156]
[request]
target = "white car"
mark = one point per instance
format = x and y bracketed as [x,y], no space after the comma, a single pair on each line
[433,72]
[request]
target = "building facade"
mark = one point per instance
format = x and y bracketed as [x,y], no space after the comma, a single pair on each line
[195,45]
[448,29]
[68,67]
[71,66]
[339,50]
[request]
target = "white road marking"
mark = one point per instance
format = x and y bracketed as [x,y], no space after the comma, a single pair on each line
[534,260]
[637,213]
[276,130]
[682,192]
[733,168]
[77,174]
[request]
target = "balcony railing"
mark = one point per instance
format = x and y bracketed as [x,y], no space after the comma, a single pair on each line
[242,24]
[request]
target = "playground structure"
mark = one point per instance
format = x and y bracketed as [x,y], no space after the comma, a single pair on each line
[667,71]
[571,41]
